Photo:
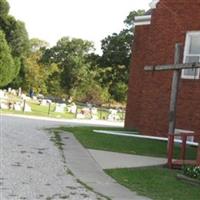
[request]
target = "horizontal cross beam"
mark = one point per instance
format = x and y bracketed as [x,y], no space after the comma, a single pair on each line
[172,67]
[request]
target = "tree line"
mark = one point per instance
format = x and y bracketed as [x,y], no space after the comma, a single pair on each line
[70,68]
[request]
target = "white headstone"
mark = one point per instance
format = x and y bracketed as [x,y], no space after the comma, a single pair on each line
[17,106]
[27,108]
[2,94]
[113,115]
[44,102]
[24,97]
[14,92]
[72,108]
[4,106]
[94,112]
[60,108]
[19,91]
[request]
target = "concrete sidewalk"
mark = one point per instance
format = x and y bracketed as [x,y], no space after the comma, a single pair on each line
[85,168]
[112,160]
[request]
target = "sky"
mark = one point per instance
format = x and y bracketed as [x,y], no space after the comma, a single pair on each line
[91,20]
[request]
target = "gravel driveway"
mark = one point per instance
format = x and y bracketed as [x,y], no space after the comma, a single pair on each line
[31,167]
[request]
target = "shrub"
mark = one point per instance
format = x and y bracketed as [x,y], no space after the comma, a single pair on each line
[191,171]
[91,92]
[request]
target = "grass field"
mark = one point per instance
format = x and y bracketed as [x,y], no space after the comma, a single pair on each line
[39,110]
[158,183]
[122,144]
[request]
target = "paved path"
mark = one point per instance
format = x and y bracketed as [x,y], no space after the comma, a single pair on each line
[84,166]
[32,167]
[111,160]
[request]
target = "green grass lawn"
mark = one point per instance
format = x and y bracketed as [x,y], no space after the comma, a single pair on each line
[157,183]
[40,110]
[122,144]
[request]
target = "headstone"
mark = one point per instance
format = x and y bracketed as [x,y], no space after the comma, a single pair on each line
[80,116]
[27,108]
[72,108]
[60,108]
[50,102]
[19,92]
[13,92]
[113,115]
[94,113]
[4,106]
[17,106]
[34,98]
[24,97]
[44,102]
[2,94]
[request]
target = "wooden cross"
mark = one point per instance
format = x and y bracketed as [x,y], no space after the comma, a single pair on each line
[177,67]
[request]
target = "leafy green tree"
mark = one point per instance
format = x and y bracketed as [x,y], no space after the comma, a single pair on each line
[7,64]
[130,18]
[115,60]
[71,56]
[15,31]
[16,37]
[4,8]
[116,54]
[37,74]
[37,44]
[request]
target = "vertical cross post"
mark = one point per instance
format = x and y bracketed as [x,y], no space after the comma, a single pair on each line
[198,153]
[174,90]
[183,146]
[170,150]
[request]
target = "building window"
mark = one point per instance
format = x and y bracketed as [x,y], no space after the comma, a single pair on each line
[192,54]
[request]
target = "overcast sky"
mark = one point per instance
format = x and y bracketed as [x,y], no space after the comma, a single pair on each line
[92,20]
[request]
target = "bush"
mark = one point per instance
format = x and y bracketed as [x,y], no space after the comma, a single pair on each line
[119,92]
[191,171]
[91,92]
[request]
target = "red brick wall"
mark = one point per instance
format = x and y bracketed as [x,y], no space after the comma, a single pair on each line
[149,93]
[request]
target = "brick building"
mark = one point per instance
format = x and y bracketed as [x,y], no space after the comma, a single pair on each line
[168,22]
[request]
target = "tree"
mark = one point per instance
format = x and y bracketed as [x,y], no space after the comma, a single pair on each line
[15,31]
[130,18]
[37,44]
[16,37]
[4,8]
[115,60]
[37,74]
[71,57]
[116,54]
[7,64]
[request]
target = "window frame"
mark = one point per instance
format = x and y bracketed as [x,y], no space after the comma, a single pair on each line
[187,54]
